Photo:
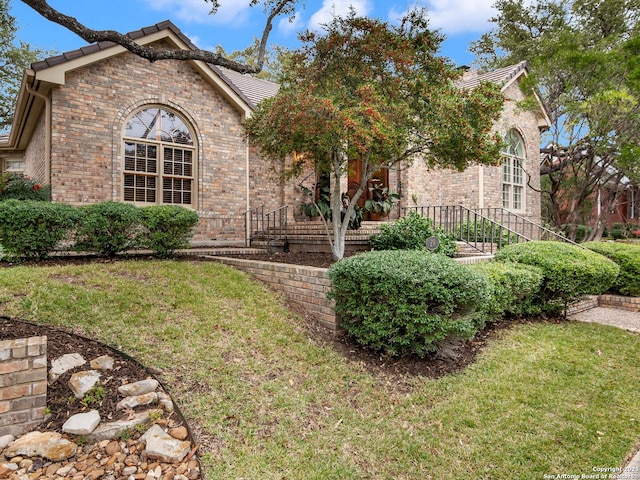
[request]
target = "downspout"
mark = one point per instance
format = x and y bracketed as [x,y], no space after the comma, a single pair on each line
[247,223]
[47,128]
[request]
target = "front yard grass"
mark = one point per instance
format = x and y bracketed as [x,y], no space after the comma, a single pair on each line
[267,402]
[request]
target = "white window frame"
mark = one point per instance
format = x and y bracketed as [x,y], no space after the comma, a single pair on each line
[7,169]
[160,165]
[513,174]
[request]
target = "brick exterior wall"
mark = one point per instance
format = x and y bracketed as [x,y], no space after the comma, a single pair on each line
[89,115]
[478,186]
[23,384]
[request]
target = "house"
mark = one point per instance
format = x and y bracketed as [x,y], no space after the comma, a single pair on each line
[100,123]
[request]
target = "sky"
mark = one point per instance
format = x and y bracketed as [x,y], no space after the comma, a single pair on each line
[235,24]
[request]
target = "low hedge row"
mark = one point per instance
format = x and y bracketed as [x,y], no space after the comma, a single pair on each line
[627,257]
[34,229]
[412,302]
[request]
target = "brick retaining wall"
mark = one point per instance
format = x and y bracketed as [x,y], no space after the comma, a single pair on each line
[304,286]
[23,384]
[631,304]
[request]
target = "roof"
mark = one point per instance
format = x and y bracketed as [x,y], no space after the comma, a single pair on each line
[501,76]
[254,89]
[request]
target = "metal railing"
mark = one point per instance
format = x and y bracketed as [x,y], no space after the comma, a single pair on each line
[482,229]
[266,226]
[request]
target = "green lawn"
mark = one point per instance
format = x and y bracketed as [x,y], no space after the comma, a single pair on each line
[268,403]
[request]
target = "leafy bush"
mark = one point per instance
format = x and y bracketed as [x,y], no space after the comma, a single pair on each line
[570,272]
[627,257]
[32,229]
[167,228]
[411,233]
[485,232]
[18,187]
[108,228]
[404,301]
[513,288]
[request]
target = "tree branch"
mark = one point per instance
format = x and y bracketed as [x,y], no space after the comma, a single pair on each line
[154,54]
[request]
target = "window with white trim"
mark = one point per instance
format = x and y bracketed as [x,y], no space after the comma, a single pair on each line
[159,158]
[14,165]
[513,173]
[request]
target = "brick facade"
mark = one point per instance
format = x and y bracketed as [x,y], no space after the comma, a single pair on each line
[23,384]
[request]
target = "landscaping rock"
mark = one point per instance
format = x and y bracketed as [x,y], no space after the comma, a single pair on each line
[138,400]
[6,440]
[111,430]
[104,362]
[49,445]
[139,388]
[82,423]
[81,382]
[64,364]
[162,446]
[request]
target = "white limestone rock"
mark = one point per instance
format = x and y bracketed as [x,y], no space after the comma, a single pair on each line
[82,423]
[49,445]
[6,440]
[138,388]
[80,383]
[138,400]
[111,430]
[63,364]
[162,446]
[105,362]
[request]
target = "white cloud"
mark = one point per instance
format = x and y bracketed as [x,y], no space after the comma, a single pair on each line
[197,11]
[456,16]
[332,8]
[288,27]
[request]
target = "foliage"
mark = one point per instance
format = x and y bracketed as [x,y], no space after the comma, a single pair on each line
[513,288]
[627,257]
[372,92]
[411,233]
[320,207]
[32,229]
[570,271]
[15,56]
[108,228]
[582,56]
[167,228]
[406,302]
[481,231]
[382,199]
[17,186]
[529,383]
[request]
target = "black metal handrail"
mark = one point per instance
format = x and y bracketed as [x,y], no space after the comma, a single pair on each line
[268,226]
[522,225]
[469,226]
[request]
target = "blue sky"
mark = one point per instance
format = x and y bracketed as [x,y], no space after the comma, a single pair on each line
[234,26]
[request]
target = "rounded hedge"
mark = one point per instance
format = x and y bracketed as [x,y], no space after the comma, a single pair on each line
[406,302]
[167,228]
[33,229]
[513,288]
[627,257]
[570,271]
[108,228]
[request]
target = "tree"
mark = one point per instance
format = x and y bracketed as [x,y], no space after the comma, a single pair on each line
[13,60]
[275,57]
[367,91]
[581,53]
[273,8]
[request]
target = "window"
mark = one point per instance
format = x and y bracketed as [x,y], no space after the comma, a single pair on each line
[159,158]
[14,165]
[513,173]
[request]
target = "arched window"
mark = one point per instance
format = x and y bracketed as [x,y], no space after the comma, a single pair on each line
[512,172]
[159,158]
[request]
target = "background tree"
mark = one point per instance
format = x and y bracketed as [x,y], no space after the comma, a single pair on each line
[15,56]
[367,91]
[274,58]
[580,53]
[272,8]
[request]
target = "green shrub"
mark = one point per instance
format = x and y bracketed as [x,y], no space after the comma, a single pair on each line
[513,288]
[167,228]
[627,257]
[33,229]
[570,271]
[485,232]
[108,228]
[18,187]
[411,233]
[406,302]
